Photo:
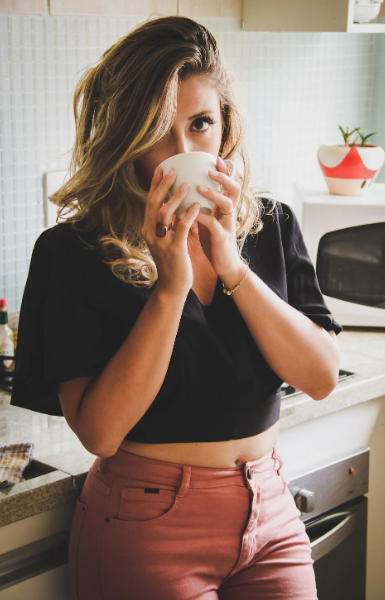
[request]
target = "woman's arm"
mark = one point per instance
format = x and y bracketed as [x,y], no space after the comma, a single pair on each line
[296,348]
[113,402]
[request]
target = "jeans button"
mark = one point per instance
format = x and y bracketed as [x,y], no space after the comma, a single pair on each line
[249,473]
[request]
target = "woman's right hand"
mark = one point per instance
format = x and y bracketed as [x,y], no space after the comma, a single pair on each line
[170,253]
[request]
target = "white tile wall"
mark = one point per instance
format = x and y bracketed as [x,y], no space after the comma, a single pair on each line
[295,89]
[379,97]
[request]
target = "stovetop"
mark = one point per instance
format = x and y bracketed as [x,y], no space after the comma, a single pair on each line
[288,390]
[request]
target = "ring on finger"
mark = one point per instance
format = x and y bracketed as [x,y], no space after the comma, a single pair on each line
[161,229]
[227,214]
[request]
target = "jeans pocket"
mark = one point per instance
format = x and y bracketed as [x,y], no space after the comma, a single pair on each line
[141,504]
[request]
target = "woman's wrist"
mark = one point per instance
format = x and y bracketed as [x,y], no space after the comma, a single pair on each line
[168,295]
[235,275]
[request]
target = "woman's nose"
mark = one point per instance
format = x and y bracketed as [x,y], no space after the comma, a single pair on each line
[182,144]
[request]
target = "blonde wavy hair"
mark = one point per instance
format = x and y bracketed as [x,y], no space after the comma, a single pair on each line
[122,107]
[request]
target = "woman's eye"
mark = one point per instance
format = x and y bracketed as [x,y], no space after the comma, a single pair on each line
[207,120]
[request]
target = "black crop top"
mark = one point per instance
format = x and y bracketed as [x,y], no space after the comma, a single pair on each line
[75,314]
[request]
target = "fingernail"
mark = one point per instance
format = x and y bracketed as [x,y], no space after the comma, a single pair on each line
[203,188]
[171,171]
[213,173]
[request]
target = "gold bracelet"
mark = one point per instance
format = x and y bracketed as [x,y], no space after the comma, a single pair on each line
[225,290]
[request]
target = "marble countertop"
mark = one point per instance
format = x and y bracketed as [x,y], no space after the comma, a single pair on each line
[362,352]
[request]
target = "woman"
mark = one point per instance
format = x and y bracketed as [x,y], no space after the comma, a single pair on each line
[174,386]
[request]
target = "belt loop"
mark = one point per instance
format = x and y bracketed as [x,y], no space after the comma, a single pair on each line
[277,458]
[186,476]
[100,464]
[280,463]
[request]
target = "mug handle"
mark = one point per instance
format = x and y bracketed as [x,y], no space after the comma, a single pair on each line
[232,172]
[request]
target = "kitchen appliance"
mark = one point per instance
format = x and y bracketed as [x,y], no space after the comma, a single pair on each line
[345,238]
[334,510]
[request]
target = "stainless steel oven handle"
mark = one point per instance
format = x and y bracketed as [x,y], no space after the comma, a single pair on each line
[335,536]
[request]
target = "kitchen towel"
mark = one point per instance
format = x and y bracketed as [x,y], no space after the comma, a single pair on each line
[13,460]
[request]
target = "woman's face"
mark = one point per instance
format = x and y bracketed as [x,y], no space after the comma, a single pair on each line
[189,133]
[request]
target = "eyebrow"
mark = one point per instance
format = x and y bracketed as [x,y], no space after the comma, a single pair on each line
[204,112]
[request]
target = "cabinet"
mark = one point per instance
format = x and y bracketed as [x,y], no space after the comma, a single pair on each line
[34,556]
[307,15]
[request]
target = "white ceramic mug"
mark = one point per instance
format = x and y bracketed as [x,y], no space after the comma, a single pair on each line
[193,167]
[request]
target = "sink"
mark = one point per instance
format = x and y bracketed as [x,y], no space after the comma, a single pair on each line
[36,468]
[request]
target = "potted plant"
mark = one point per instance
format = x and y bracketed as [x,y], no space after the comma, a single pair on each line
[350,168]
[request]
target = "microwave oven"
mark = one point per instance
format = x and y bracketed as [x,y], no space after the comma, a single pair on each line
[345,238]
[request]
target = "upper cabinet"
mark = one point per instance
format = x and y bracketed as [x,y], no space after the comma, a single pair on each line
[307,15]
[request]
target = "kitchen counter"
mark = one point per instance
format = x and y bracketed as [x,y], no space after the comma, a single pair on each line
[362,351]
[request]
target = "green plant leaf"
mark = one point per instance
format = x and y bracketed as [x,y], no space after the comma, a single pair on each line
[346,134]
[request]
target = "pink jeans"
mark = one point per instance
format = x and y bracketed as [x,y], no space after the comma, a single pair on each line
[146,529]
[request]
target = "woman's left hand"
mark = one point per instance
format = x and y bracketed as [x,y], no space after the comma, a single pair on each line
[217,233]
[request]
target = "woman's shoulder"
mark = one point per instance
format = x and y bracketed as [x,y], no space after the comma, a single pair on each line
[273,216]
[61,233]
[275,210]
[279,221]
[63,241]
[276,224]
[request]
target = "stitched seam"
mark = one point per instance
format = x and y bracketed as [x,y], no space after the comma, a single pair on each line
[100,540]
[176,506]
[213,487]
[77,552]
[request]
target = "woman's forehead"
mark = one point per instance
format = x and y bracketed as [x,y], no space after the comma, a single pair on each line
[197,95]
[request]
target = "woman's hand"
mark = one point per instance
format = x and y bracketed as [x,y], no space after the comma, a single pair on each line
[217,233]
[170,252]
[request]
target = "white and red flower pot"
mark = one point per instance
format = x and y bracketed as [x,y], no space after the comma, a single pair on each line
[350,170]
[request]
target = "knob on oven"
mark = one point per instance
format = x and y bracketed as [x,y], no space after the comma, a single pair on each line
[305,500]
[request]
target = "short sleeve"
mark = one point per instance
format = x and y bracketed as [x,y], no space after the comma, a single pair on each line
[62,333]
[303,288]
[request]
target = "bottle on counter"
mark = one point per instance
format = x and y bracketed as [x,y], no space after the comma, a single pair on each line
[7,346]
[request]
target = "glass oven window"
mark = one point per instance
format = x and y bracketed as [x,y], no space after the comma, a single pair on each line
[351,264]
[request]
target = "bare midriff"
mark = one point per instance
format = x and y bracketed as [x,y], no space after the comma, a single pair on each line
[220,455]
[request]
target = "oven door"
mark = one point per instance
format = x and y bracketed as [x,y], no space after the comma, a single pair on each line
[338,543]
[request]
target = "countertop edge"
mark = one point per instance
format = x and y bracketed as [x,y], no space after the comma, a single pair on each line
[34,496]
[302,408]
